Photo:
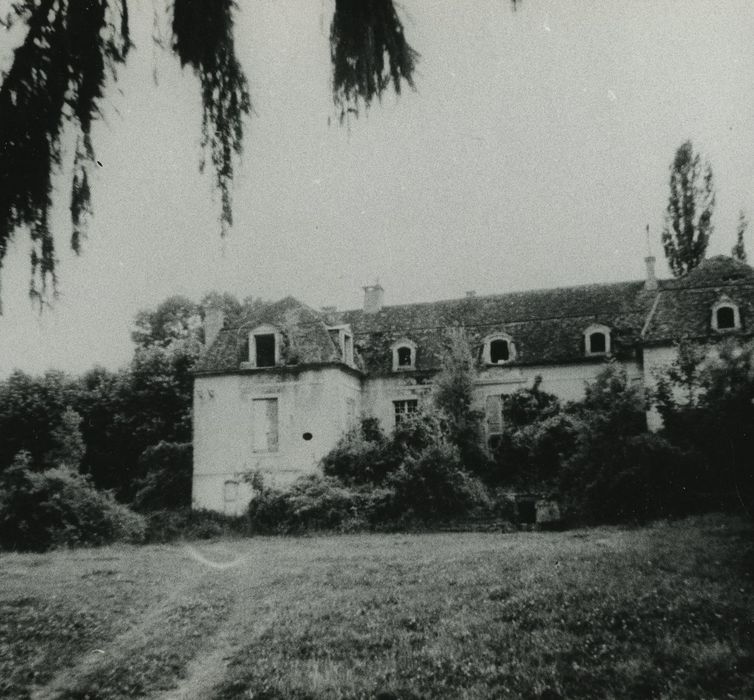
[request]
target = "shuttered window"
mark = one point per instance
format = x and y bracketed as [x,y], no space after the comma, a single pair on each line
[265,425]
[494,417]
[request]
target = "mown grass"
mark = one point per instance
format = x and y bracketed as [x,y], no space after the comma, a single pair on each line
[665,611]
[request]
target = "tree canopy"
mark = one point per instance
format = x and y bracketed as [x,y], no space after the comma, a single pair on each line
[688,218]
[69,59]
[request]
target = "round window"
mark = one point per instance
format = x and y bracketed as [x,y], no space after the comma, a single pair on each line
[307,436]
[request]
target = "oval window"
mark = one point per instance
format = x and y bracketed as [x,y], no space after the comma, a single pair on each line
[307,436]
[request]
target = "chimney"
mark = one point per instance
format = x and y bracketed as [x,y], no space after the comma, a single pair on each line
[471,293]
[214,320]
[650,284]
[373,298]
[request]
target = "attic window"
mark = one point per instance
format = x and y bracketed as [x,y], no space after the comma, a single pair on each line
[725,315]
[404,355]
[498,350]
[343,336]
[264,347]
[597,340]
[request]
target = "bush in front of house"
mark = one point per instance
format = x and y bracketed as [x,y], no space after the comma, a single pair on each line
[428,485]
[628,478]
[712,420]
[312,502]
[166,484]
[59,507]
[618,471]
[432,485]
[187,524]
[364,455]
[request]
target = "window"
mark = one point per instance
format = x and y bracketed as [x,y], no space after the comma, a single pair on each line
[351,421]
[725,315]
[264,425]
[230,492]
[404,355]
[493,411]
[498,349]
[596,340]
[403,408]
[343,339]
[348,348]
[264,347]
[597,343]
[726,318]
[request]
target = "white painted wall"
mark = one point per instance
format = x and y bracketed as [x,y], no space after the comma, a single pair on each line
[225,448]
[325,402]
[565,381]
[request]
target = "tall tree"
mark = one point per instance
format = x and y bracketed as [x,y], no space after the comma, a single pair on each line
[688,218]
[738,252]
[68,60]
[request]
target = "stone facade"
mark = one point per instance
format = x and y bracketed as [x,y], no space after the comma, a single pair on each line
[275,392]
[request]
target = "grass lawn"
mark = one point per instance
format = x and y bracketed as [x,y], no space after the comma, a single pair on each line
[664,611]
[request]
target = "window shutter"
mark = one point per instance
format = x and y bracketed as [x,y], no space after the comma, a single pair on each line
[494,410]
[272,425]
[265,425]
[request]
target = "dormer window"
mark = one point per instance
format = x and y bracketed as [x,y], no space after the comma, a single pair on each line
[343,337]
[404,355]
[264,347]
[498,349]
[725,315]
[597,340]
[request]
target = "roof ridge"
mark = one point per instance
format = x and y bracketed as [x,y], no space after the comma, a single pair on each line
[539,290]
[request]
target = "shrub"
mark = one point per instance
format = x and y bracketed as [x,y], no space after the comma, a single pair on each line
[312,502]
[529,405]
[713,419]
[166,485]
[623,478]
[453,397]
[531,456]
[433,486]
[41,510]
[362,456]
[185,523]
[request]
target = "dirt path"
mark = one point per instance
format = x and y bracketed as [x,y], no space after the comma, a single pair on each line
[118,647]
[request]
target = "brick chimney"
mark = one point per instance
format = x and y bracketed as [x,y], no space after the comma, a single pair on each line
[214,320]
[650,283]
[373,297]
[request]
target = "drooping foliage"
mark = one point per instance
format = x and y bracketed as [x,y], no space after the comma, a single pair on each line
[688,218]
[203,39]
[369,52]
[57,79]
[68,59]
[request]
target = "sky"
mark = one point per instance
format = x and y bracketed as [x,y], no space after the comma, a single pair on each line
[533,153]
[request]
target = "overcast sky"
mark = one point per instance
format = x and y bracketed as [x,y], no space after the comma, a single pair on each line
[533,154]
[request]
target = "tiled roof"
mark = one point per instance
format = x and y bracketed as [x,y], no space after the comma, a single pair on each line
[305,337]
[547,326]
[684,305]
